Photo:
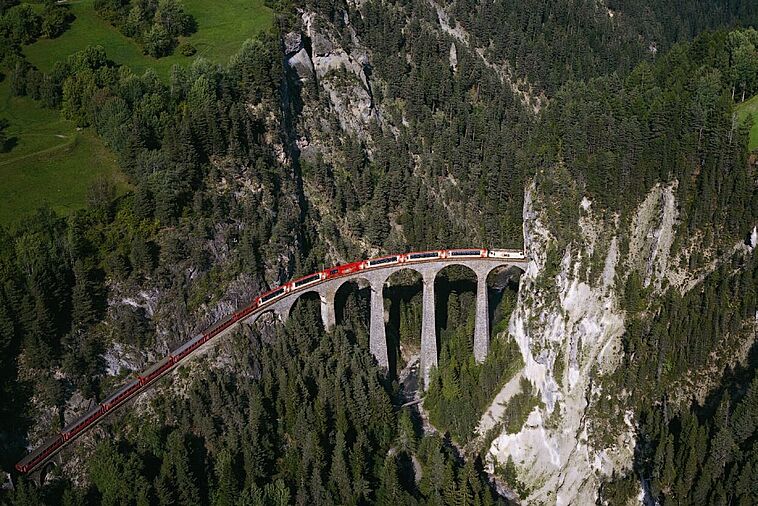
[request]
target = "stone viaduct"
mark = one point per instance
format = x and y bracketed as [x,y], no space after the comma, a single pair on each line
[373,273]
[376,278]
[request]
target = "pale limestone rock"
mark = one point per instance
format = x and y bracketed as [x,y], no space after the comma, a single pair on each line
[301,63]
[321,45]
[293,42]
[581,324]
[653,234]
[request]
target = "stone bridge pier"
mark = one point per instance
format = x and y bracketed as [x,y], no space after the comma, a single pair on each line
[376,280]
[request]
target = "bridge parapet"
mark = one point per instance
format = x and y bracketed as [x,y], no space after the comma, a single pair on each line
[377,278]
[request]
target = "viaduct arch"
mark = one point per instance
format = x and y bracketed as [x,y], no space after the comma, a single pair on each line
[376,279]
[373,272]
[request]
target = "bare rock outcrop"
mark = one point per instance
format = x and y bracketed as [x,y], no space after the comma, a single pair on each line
[568,330]
[344,77]
[568,324]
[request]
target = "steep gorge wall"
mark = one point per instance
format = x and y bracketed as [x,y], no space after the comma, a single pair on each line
[568,328]
[568,323]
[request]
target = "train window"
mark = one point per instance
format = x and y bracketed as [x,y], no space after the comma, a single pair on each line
[306,280]
[383,261]
[461,253]
[425,255]
[271,295]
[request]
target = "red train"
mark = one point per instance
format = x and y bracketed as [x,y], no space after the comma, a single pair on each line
[35,458]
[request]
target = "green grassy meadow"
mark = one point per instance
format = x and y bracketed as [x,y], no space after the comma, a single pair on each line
[222,26]
[750,106]
[52,162]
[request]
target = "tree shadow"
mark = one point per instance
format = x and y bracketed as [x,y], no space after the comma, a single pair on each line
[9,144]
[352,307]
[734,381]
[454,279]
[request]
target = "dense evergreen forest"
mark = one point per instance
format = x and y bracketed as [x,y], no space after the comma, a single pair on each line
[670,120]
[696,454]
[216,212]
[312,424]
[553,42]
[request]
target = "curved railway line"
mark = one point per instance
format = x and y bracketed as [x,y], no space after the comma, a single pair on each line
[35,459]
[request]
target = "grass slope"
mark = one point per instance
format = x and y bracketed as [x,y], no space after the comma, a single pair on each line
[222,26]
[750,107]
[50,161]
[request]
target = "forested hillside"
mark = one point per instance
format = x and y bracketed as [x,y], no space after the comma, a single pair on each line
[352,129]
[550,43]
[305,418]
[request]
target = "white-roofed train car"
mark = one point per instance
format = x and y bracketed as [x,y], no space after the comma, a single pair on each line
[423,256]
[511,254]
[307,280]
[272,295]
[377,262]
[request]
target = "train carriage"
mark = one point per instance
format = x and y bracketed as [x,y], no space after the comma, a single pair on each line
[244,313]
[383,261]
[307,280]
[77,425]
[422,256]
[154,371]
[466,253]
[187,347]
[344,269]
[507,254]
[38,455]
[222,324]
[122,393]
[272,295]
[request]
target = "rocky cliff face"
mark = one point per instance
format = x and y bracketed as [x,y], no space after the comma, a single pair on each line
[340,78]
[568,324]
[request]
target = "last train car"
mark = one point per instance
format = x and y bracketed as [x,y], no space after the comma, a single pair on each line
[33,458]
[510,254]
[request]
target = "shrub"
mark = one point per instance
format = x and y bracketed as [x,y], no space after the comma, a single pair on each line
[187,49]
